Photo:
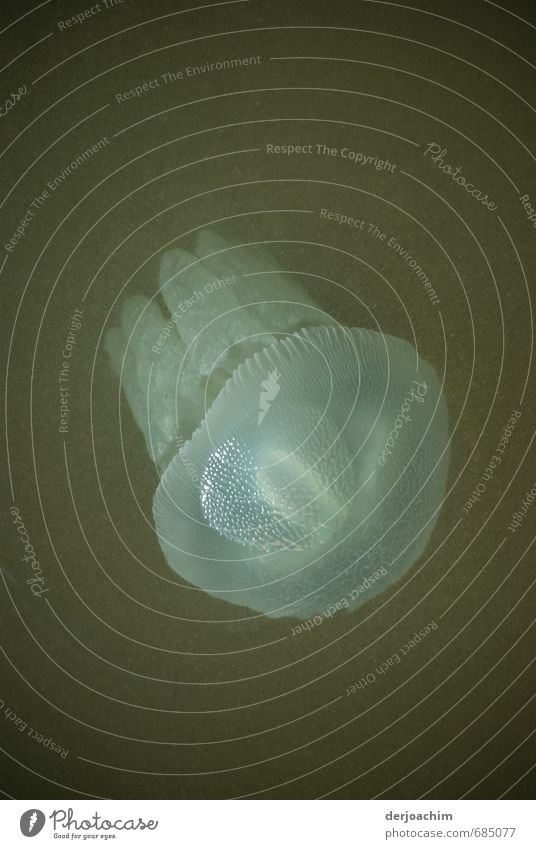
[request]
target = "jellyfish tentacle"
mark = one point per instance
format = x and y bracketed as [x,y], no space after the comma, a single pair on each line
[197,299]
[227,304]
[280,302]
[148,373]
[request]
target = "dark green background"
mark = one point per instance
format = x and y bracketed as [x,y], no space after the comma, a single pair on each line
[156,689]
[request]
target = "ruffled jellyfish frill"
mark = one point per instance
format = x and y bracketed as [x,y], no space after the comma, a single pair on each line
[303,464]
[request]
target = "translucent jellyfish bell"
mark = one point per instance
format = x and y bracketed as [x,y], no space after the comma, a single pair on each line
[292,514]
[321,464]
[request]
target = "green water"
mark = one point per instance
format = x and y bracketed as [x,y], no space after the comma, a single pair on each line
[152,687]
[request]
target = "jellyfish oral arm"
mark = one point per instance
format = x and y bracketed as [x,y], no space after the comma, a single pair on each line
[211,310]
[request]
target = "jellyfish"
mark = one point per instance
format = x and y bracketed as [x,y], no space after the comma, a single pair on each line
[302,463]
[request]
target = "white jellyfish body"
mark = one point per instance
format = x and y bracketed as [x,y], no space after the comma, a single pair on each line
[299,458]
